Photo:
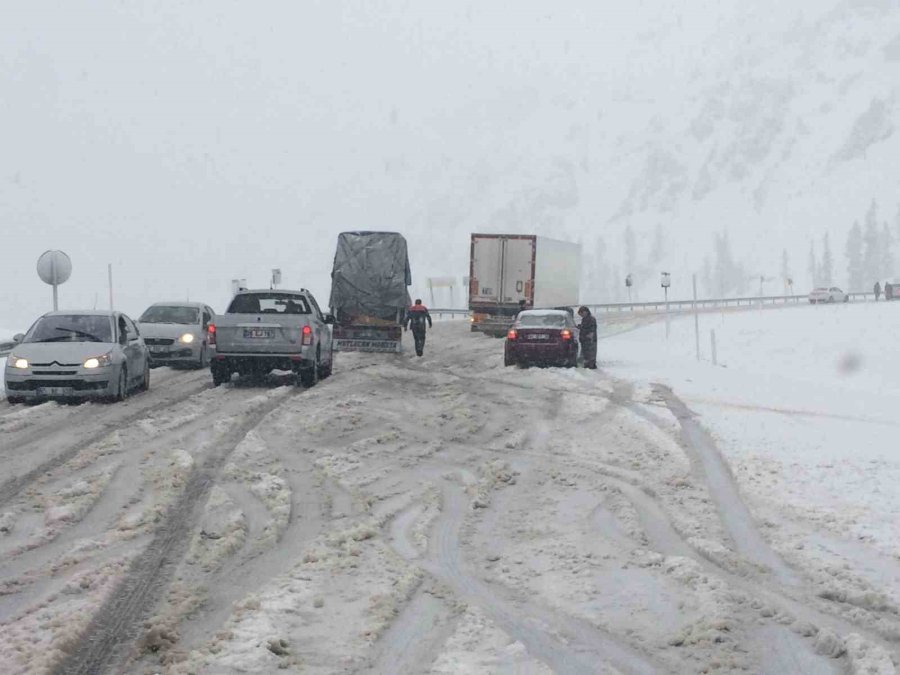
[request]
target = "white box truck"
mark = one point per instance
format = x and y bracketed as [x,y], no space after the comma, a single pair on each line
[511,272]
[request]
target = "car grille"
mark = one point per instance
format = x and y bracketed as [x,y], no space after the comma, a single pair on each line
[78,385]
[55,372]
[159,342]
[53,363]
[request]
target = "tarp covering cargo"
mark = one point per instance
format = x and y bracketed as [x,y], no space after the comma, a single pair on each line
[370,276]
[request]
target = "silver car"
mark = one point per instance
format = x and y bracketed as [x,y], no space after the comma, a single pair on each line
[176,333]
[77,355]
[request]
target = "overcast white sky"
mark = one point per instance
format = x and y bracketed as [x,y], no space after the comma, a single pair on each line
[190,143]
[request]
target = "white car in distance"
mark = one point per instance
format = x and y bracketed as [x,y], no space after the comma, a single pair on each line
[829,295]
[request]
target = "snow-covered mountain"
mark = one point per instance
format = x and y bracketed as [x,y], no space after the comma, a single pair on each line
[769,123]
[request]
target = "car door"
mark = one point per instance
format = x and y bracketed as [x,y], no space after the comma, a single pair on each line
[206,319]
[135,351]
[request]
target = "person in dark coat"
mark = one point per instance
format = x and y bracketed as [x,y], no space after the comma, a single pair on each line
[587,333]
[877,290]
[416,316]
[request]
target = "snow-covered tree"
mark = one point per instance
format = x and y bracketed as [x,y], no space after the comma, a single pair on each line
[785,270]
[826,269]
[707,277]
[871,261]
[853,252]
[812,265]
[728,276]
[631,258]
[887,254]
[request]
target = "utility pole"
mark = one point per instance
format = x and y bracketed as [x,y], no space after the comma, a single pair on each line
[696,320]
[665,280]
[109,270]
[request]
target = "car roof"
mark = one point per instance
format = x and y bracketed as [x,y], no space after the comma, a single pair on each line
[83,312]
[286,291]
[177,303]
[544,312]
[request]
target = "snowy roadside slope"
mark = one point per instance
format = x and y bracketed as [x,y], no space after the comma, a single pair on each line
[804,405]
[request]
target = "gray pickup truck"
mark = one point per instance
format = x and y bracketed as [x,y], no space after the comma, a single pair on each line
[269,330]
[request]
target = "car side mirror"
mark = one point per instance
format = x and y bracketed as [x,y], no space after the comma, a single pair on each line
[18,337]
[329,318]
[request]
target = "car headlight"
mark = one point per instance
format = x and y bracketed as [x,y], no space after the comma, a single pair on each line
[98,361]
[16,362]
[187,338]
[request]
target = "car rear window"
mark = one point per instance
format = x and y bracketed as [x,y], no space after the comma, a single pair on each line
[268,303]
[542,320]
[71,328]
[170,314]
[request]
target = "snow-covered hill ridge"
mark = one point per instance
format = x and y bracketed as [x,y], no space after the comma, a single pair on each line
[775,126]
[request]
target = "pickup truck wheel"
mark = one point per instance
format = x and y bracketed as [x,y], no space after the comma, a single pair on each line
[309,376]
[508,360]
[219,375]
[325,369]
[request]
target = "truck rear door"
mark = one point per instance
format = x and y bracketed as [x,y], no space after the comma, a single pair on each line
[518,269]
[486,270]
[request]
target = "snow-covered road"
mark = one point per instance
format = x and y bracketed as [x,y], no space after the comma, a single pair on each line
[434,515]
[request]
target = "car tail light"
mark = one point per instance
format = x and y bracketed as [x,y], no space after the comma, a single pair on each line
[565,334]
[307,336]
[211,334]
[512,334]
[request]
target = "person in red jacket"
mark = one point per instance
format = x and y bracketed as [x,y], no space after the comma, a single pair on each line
[416,316]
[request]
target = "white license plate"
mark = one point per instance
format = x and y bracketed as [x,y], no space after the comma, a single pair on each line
[539,336]
[258,333]
[52,391]
[158,350]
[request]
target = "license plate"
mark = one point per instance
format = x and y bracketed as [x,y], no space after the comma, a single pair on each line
[258,333]
[51,391]
[158,350]
[539,336]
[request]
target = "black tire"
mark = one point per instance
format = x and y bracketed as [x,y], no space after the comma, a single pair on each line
[846,298]
[13,400]
[122,386]
[326,369]
[309,376]
[220,375]
[507,359]
[145,382]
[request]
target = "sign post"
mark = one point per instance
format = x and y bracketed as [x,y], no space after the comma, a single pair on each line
[54,268]
[629,282]
[665,280]
[276,278]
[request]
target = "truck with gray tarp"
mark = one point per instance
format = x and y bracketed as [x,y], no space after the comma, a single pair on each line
[369,295]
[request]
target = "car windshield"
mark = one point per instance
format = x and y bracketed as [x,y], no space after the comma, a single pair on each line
[268,303]
[71,328]
[170,314]
[542,320]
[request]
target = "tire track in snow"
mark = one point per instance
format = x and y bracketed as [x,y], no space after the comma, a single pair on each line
[720,483]
[117,621]
[666,540]
[565,644]
[145,405]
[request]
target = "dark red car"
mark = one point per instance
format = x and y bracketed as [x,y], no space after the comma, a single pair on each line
[542,337]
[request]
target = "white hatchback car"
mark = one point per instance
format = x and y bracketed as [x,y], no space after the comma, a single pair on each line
[833,294]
